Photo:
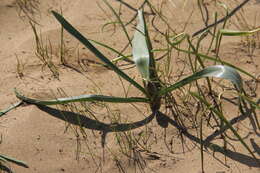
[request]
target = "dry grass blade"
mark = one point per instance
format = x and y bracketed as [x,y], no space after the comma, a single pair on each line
[221,20]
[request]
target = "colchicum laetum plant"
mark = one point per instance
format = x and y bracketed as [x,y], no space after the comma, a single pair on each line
[152,89]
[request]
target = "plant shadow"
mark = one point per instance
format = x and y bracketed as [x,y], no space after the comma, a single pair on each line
[83,121]
[239,157]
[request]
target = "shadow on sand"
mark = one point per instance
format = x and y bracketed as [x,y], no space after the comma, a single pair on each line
[83,121]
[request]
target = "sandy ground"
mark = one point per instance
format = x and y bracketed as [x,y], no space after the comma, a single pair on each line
[41,137]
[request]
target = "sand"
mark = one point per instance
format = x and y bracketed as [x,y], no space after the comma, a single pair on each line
[48,144]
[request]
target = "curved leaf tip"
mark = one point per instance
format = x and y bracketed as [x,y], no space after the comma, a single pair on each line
[225,72]
[219,71]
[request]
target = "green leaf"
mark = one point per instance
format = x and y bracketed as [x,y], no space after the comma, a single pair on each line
[99,55]
[10,159]
[140,49]
[228,32]
[2,159]
[81,98]
[2,112]
[218,71]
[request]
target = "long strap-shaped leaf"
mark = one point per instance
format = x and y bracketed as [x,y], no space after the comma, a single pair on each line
[80,98]
[10,159]
[99,55]
[218,71]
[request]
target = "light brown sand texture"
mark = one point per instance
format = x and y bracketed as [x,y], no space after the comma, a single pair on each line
[43,138]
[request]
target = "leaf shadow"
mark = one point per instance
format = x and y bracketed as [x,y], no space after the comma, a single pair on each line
[239,157]
[83,121]
[86,122]
[255,146]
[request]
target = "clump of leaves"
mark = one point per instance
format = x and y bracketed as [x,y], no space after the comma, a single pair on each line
[152,88]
